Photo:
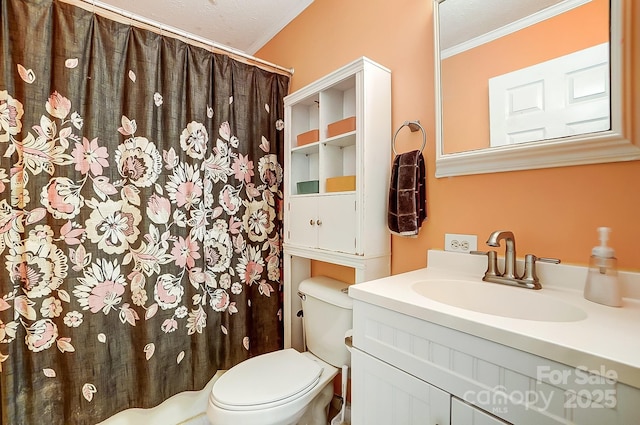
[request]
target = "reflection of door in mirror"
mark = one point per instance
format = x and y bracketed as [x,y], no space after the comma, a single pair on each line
[465,76]
[561,97]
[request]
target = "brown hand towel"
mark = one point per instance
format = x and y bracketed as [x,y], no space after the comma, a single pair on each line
[407,195]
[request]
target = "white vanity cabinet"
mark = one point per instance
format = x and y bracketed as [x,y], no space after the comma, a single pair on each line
[388,395]
[406,370]
[337,162]
[465,414]
[385,394]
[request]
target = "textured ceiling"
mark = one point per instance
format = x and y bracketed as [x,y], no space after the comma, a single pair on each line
[247,25]
[462,20]
[244,25]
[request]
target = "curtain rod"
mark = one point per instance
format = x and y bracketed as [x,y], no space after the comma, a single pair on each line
[96,4]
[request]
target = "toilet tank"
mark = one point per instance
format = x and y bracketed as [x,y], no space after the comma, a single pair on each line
[327,316]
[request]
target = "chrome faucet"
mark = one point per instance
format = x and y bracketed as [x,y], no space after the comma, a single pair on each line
[529,278]
[509,251]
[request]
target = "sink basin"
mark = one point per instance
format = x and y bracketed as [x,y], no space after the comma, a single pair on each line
[499,300]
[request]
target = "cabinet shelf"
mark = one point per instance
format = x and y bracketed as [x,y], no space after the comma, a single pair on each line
[340,140]
[310,149]
[320,195]
[343,140]
[333,157]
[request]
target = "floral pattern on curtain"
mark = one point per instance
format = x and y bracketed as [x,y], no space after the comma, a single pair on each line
[140,229]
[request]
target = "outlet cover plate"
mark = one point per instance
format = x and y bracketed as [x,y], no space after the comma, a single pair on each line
[460,243]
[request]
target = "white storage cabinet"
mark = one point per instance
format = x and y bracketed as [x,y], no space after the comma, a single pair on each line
[346,227]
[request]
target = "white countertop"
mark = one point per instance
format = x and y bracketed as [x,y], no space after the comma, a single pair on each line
[607,340]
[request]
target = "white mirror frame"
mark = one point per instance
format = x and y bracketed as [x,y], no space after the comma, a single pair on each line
[606,146]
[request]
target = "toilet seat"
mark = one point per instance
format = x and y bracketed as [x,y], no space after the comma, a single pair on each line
[266,381]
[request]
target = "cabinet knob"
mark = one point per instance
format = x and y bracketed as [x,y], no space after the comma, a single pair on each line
[319,222]
[311,222]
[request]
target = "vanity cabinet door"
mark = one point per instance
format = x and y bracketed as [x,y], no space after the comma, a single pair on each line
[465,414]
[337,223]
[301,226]
[326,222]
[384,395]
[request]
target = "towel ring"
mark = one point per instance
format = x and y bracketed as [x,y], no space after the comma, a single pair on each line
[413,126]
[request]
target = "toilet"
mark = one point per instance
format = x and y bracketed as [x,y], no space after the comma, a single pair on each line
[287,387]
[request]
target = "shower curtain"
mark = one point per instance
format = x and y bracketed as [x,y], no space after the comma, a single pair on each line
[140,228]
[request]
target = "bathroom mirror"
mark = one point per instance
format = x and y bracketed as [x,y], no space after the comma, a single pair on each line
[499,66]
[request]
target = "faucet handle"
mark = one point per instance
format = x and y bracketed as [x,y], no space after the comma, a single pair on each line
[530,268]
[492,262]
[548,260]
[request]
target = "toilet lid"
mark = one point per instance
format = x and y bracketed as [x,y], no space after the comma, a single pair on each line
[271,378]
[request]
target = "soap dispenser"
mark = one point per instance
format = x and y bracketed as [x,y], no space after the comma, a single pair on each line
[602,284]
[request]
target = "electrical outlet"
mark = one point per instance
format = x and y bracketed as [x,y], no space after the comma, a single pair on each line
[460,243]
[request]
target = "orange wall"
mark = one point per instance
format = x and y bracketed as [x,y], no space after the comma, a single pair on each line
[466,94]
[553,212]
